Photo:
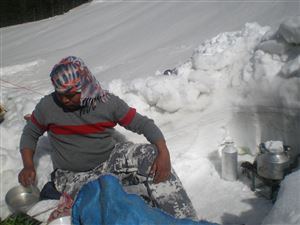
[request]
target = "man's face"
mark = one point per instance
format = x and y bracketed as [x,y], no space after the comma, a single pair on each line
[70,101]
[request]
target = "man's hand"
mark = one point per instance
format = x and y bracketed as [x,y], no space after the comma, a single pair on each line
[161,167]
[27,176]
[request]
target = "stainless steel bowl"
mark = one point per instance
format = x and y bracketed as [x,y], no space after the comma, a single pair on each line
[21,199]
[66,220]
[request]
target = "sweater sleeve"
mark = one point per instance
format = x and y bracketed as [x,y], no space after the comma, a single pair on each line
[131,120]
[34,128]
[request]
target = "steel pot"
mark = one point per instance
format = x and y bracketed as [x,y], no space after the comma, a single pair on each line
[21,199]
[272,163]
[66,220]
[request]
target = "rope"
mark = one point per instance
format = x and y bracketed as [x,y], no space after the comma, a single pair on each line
[20,87]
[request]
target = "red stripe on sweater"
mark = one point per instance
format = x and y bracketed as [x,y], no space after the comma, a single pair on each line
[85,128]
[126,120]
[81,129]
[35,122]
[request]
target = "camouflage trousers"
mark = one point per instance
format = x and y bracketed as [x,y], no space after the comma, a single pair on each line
[131,163]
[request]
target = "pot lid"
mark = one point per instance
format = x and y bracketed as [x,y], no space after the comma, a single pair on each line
[274,146]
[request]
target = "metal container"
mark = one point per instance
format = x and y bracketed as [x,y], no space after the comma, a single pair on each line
[273,163]
[21,199]
[229,162]
[66,220]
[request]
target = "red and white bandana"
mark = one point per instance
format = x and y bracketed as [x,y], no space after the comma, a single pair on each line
[71,75]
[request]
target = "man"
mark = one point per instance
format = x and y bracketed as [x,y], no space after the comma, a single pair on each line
[79,117]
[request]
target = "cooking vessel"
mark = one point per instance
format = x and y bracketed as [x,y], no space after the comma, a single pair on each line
[21,199]
[273,163]
[65,220]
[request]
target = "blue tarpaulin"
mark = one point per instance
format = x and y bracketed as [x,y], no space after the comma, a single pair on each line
[103,201]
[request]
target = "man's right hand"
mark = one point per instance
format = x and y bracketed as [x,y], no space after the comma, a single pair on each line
[27,176]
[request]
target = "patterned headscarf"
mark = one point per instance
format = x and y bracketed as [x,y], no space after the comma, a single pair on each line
[71,75]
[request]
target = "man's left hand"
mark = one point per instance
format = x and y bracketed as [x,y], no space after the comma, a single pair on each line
[161,168]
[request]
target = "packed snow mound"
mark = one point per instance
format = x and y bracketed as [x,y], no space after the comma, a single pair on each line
[290,30]
[192,84]
[227,48]
[287,207]
[287,37]
[291,68]
[163,93]
[274,69]
[254,59]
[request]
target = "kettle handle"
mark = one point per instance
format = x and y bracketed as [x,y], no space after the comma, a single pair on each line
[262,148]
[286,148]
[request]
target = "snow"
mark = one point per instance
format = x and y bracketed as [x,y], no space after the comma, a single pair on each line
[291,69]
[290,30]
[287,207]
[236,74]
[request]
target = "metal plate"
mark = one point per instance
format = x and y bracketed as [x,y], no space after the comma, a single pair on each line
[21,199]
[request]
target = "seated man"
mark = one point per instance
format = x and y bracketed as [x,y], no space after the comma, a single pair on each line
[79,117]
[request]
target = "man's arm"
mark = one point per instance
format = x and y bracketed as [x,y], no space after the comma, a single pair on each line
[131,120]
[161,167]
[28,142]
[31,133]
[28,174]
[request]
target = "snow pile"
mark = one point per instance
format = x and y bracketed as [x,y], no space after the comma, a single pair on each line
[275,67]
[215,62]
[227,48]
[290,30]
[164,93]
[287,207]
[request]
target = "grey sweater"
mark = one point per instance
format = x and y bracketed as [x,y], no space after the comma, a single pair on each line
[82,140]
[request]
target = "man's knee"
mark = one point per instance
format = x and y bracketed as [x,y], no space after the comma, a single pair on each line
[129,157]
[145,155]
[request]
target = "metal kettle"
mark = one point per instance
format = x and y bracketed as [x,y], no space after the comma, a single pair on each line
[273,164]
